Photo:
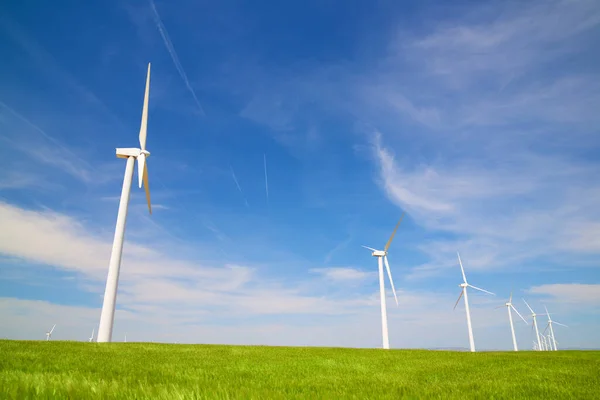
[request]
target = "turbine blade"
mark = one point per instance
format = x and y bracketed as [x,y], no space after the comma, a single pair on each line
[144,124]
[147,187]
[558,323]
[52,330]
[141,163]
[461,268]
[510,298]
[459,296]
[389,242]
[546,328]
[547,313]
[528,306]
[481,290]
[518,313]
[370,248]
[389,272]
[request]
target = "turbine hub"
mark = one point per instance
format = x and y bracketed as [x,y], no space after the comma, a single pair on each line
[146,152]
[463,285]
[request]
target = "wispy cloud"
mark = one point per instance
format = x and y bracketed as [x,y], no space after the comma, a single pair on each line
[238,186]
[337,248]
[343,274]
[49,66]
[500,213]
[579,293]
[169,45]
[53,153]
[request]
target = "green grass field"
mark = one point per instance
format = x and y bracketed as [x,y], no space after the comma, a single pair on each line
[74,370]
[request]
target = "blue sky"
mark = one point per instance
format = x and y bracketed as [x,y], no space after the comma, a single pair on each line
[479,119]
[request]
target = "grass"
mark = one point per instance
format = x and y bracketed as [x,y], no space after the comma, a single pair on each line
[75,370]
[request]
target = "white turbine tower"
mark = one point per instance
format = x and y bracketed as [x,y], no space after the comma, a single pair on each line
[543,343]
[381,258]
[112,280]
[551,336]
[537,332]
[49,333]
[510,306]
[91,338]
[463,292]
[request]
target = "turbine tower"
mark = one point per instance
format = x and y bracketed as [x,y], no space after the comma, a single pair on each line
[49,333]
[112,280]
[537,332]
[381,258]
[550,323]
[510,306]
[463,292]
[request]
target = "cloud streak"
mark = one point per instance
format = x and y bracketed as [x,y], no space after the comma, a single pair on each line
[238,186]
[171,49]
[56,154]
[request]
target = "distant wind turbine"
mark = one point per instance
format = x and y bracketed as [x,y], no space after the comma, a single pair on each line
[112,280]
[510,306]
[49,333]
[91,338]
[537,332]
[550,323]
[381,258]
[463,292]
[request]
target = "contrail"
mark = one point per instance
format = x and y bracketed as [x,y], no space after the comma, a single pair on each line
[165,35]
[238,185]
[266,178]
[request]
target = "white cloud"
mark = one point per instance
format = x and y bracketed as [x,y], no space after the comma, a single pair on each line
[343,274]
[524,206]
[148,276]
[578,293]
[506,38]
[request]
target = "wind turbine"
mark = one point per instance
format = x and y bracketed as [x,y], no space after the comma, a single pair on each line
[510,306]
[550,322]
[463,292]
[112,281]
[91,338]
[381,258]
[49,333]
[537,332]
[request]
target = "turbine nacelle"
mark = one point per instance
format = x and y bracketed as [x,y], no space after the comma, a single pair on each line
[379,253]
[131,152]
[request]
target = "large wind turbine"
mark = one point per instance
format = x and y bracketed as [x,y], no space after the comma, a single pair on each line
[381,258]
[112,280]
[510,306]
[550,322]
[49,333]
[537,332]
[464,286]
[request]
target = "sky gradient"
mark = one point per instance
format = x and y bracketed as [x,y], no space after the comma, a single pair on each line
[283,136]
